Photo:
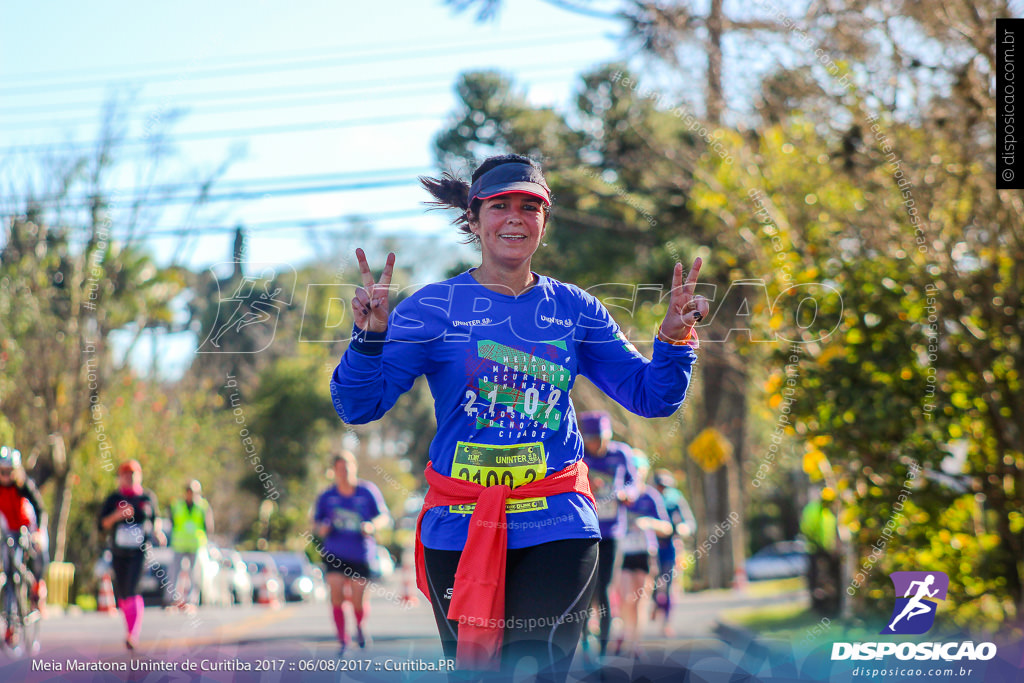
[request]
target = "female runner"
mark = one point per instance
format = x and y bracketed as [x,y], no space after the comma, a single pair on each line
[507,551]
[646,519]
[348,516]
[613,481]
[131,516]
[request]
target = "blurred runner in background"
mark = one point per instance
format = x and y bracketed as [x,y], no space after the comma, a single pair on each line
[22,506]
[347,517]
[613,481]
[671,547]
[646,518]
[131,517]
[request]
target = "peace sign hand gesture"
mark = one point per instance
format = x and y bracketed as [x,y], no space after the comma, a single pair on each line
[684,310]
[370,304]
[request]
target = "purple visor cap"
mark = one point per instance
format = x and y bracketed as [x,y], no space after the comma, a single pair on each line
[511,178]
[596,423]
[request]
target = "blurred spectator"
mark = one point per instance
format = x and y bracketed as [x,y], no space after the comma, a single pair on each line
[819,527]
[191,523]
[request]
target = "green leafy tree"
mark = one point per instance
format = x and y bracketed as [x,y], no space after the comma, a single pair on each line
[73,272]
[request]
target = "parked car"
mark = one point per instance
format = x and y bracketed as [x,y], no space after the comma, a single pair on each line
[236,581]
[302,580]
[780,560]
[155,583]
[212,589]
[264,574]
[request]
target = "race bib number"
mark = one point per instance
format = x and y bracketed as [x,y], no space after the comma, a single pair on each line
[636,541]
[513,465]
[347,520]
[129,536]
[603,488]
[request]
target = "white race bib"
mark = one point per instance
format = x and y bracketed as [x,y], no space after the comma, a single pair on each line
[129,536]
[635,542]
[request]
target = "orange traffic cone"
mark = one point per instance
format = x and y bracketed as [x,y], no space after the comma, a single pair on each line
[739,581]
[409,597]
[105,601]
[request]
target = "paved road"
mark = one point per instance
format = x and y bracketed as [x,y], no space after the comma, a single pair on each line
[265,644]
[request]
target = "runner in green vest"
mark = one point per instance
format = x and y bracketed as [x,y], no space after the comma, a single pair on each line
[819,526]
[191,522]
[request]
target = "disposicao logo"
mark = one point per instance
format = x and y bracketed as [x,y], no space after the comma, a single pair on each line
[916,593]
[914,614]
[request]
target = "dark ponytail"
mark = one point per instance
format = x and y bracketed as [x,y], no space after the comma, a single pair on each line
[450,192]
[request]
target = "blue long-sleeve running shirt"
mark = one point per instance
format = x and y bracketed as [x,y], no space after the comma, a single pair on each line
[500,369]
[610,474]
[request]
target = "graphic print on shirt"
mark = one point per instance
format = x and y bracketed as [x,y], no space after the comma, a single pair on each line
[525,386]
[518,393]
[346,520]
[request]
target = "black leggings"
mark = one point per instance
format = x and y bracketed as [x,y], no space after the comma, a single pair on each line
[127,572]
[605,569]
[548,590]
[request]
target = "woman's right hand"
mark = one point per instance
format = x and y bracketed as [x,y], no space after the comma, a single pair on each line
[121,513]
[370,305]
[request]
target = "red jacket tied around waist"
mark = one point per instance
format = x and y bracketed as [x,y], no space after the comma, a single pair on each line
[478,601]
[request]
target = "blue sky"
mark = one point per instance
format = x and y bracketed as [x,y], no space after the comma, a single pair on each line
[297,94]
[347,92]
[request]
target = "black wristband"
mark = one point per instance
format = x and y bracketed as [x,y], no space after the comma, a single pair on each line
[368,343]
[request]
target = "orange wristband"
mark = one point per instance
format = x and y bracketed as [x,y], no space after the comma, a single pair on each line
[688,340]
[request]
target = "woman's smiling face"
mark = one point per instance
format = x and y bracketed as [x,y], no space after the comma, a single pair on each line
[510,227]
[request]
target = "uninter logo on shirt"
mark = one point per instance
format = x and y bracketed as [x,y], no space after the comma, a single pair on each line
[551,320]
[470,323]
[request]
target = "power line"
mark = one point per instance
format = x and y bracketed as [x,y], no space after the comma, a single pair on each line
[235,132]
[86,202]
[223,108]
[247,58]
[324,89]
[266,105]
[321,62]
[228,101]
[247,183]
[345,221]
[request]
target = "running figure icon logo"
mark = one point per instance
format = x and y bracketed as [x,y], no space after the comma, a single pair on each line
[916,593]
[246,320]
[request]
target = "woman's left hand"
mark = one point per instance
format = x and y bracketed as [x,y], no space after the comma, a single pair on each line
[684,309]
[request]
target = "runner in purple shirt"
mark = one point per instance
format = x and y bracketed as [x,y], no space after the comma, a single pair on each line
[646,519]
[612,481]
[346,517]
